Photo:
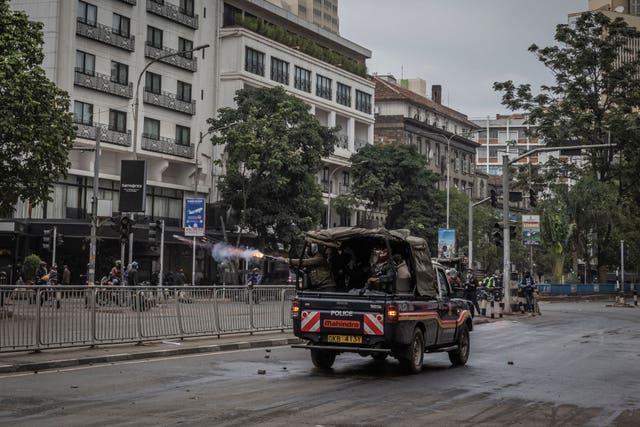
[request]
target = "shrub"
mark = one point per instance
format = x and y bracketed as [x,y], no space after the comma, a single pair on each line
[30,266]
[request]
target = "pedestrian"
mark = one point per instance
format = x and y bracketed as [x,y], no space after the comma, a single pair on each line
[253,280]
[41,273]
[132,278]
[471,289]
[180,279]
[115,276]
[66,276]
[53,275]
[528,286]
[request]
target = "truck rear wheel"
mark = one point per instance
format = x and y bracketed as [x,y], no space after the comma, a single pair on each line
[460,355]
[413,363]
[323,359]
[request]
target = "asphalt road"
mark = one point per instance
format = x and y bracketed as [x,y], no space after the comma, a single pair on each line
[578,364]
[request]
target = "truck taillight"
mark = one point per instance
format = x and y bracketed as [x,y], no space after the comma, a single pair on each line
[392,313]
[295,309]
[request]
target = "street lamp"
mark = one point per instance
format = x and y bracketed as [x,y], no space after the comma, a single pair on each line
[136,105]
[339,168]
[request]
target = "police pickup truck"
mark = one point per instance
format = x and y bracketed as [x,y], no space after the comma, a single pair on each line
[377,293]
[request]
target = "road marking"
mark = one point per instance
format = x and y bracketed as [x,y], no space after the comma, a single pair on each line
[131,362]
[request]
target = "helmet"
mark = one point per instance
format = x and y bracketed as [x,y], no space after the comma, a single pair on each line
[452,272]
[256,270]
[134,264]
[43,263]
[118,263]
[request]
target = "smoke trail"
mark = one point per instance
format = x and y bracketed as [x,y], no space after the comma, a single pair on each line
[222,251]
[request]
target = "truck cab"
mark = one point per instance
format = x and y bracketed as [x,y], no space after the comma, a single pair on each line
[376,292]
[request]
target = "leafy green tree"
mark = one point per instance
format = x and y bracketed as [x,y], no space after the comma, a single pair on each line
[394,179]
[29,267]
[273,150]
[36,130]
[595,96]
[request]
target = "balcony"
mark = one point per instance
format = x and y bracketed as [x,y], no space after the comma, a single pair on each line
[342,142]
[173,13]
[102,83]
[359,143]
[104,34]
[88,131]
[170,102]
[176,60]
[167,146]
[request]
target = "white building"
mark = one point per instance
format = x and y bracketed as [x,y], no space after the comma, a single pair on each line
[97,51]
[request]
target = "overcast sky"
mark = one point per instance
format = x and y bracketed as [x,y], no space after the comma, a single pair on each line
[463,45]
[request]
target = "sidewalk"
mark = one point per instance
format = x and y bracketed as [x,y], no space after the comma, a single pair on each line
[25,361]
[77,356]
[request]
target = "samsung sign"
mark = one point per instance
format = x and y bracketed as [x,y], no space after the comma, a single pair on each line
[133,186]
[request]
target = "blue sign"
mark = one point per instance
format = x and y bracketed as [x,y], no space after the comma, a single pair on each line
[194,216]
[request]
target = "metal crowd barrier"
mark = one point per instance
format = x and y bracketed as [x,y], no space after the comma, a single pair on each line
[42,317]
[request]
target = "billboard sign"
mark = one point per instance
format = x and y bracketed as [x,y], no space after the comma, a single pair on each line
[446,243]
[194,217]
[133,186]
[531,229]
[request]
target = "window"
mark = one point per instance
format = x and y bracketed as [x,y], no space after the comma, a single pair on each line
[85,62]
[183,135]
[83,113]
[154,37]
[279,71]
[87,13]
[186,7]
[119,73]
[437,154]
[302,79]
[184,44]
[343,95]
[183,93]
[254,61]
[121,25]
[363,102]
[117,121]
[230,15]
[345,179]
[323,87]
[151,128]
[153,83]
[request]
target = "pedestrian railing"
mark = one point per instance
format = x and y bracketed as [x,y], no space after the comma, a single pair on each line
[42,317]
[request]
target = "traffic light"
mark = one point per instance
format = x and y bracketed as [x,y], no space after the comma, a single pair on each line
[154,229]
[533,198]
[46,239]
[497,234]
[59,239]
[512,231]
[125,228]
[494,198]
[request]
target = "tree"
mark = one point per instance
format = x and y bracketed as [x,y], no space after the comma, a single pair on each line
[273,150]
[36,130]
[394,179]
[595,96]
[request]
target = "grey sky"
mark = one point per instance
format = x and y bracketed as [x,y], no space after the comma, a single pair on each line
[464,45]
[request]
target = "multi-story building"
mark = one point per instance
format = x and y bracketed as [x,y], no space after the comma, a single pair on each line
[100,51]
[337,97]
[404,114]
[323,13]
[502,135]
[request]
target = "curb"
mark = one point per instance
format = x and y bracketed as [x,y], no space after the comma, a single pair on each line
[90,360]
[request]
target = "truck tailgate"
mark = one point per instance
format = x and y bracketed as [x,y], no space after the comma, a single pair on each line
[342,320]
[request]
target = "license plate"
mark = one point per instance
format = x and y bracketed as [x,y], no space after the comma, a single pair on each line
[344,339]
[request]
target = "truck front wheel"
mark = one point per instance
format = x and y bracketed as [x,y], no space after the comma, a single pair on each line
[412,362]
[460,355]
[323,359]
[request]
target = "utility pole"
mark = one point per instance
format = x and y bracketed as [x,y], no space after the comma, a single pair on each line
[506,235]
[94,209]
